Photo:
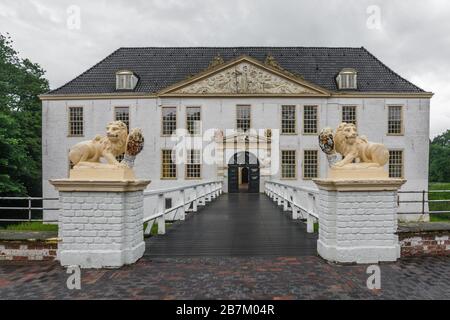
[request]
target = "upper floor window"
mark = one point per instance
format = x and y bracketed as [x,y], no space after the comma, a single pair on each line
[76,121]
[310,119]
[193,120]
[243,118]
[347,79]
[122,114]
[169,120]
[126,80]
[288,120]
[395,125]
[349,114]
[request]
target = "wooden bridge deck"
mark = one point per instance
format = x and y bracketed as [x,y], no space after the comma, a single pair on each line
[241,224]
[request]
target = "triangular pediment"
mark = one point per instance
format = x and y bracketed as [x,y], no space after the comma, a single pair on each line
[245,76]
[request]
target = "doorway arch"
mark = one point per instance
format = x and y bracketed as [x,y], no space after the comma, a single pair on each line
[243,163]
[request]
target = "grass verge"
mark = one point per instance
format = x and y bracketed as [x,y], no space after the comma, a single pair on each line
[439,206]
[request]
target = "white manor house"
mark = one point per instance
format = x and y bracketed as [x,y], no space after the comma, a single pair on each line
[244,115]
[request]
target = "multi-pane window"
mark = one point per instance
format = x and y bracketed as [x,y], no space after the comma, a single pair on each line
[243,118]
[122,114]
[169,120]
[193,165]
[288,119]
[169,167]
[395,120]
[76,122]
[395,163]
[310,119]
[349,114]
[288,164]
[310,164]
[193,120]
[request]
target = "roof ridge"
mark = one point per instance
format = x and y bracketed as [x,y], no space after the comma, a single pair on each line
[391,71]
[238,47]
[95,65]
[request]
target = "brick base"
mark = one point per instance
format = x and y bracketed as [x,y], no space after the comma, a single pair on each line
[28,250]
[425,244]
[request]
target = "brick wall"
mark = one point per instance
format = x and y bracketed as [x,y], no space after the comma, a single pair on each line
[425,244]
[27,250]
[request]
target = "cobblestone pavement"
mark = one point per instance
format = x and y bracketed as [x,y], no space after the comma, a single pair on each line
[307,277]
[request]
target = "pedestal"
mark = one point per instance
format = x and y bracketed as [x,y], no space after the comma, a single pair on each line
[358,220]
[100,222]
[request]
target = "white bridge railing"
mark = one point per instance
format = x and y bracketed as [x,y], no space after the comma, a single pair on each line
[183,199]
[301,201]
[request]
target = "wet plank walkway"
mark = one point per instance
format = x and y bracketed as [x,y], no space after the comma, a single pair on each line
[235,225]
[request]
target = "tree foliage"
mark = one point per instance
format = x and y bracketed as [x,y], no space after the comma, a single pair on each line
[21,81]
[440,158]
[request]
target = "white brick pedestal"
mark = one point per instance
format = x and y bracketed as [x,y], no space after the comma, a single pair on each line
[100,222]
[358,220]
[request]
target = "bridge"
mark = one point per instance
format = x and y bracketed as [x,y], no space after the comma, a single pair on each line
[233,224]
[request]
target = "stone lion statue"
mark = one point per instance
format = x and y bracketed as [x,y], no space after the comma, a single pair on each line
[352,147]
[114,144]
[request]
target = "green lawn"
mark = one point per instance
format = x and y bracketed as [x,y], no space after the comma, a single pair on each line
[39,226]
[31,226]
[439,206]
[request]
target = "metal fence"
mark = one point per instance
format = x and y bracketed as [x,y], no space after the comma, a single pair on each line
[27,209]
[13,206]
[423,200]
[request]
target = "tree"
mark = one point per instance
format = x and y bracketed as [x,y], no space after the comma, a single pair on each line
[21,82]
[440,158]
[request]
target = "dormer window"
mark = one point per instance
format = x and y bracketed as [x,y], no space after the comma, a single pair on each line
[347,79]
[126,80]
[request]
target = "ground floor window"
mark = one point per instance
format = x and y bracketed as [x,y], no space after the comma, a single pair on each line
[193,165]
[310,164]
[288,164]
[395,163]
[169,167]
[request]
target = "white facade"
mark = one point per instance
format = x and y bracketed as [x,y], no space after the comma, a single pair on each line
[220,113]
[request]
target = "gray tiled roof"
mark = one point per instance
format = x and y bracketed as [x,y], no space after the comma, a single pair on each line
[158,68]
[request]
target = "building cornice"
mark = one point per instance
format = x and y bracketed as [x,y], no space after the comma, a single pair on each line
[110,96]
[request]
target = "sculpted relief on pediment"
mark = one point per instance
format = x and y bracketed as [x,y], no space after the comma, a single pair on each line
[245,78]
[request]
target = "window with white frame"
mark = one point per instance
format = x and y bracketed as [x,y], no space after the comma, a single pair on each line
[288,119]
[193,120]
[76,121]
[349,114]
[347,79]
[310,164]
[310,119]
[169,120]
[122,114]
[288,164]
[193,164]
[396,163]
[169,167]
[243,118]
[126,80]
[395,125]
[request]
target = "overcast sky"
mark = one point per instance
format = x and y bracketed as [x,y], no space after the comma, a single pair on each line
[412,37]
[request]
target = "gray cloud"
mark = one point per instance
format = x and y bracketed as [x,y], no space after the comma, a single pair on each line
[414,39]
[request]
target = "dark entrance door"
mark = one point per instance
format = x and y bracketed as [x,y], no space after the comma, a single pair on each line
[233,178]
[249,166]
[253,184]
